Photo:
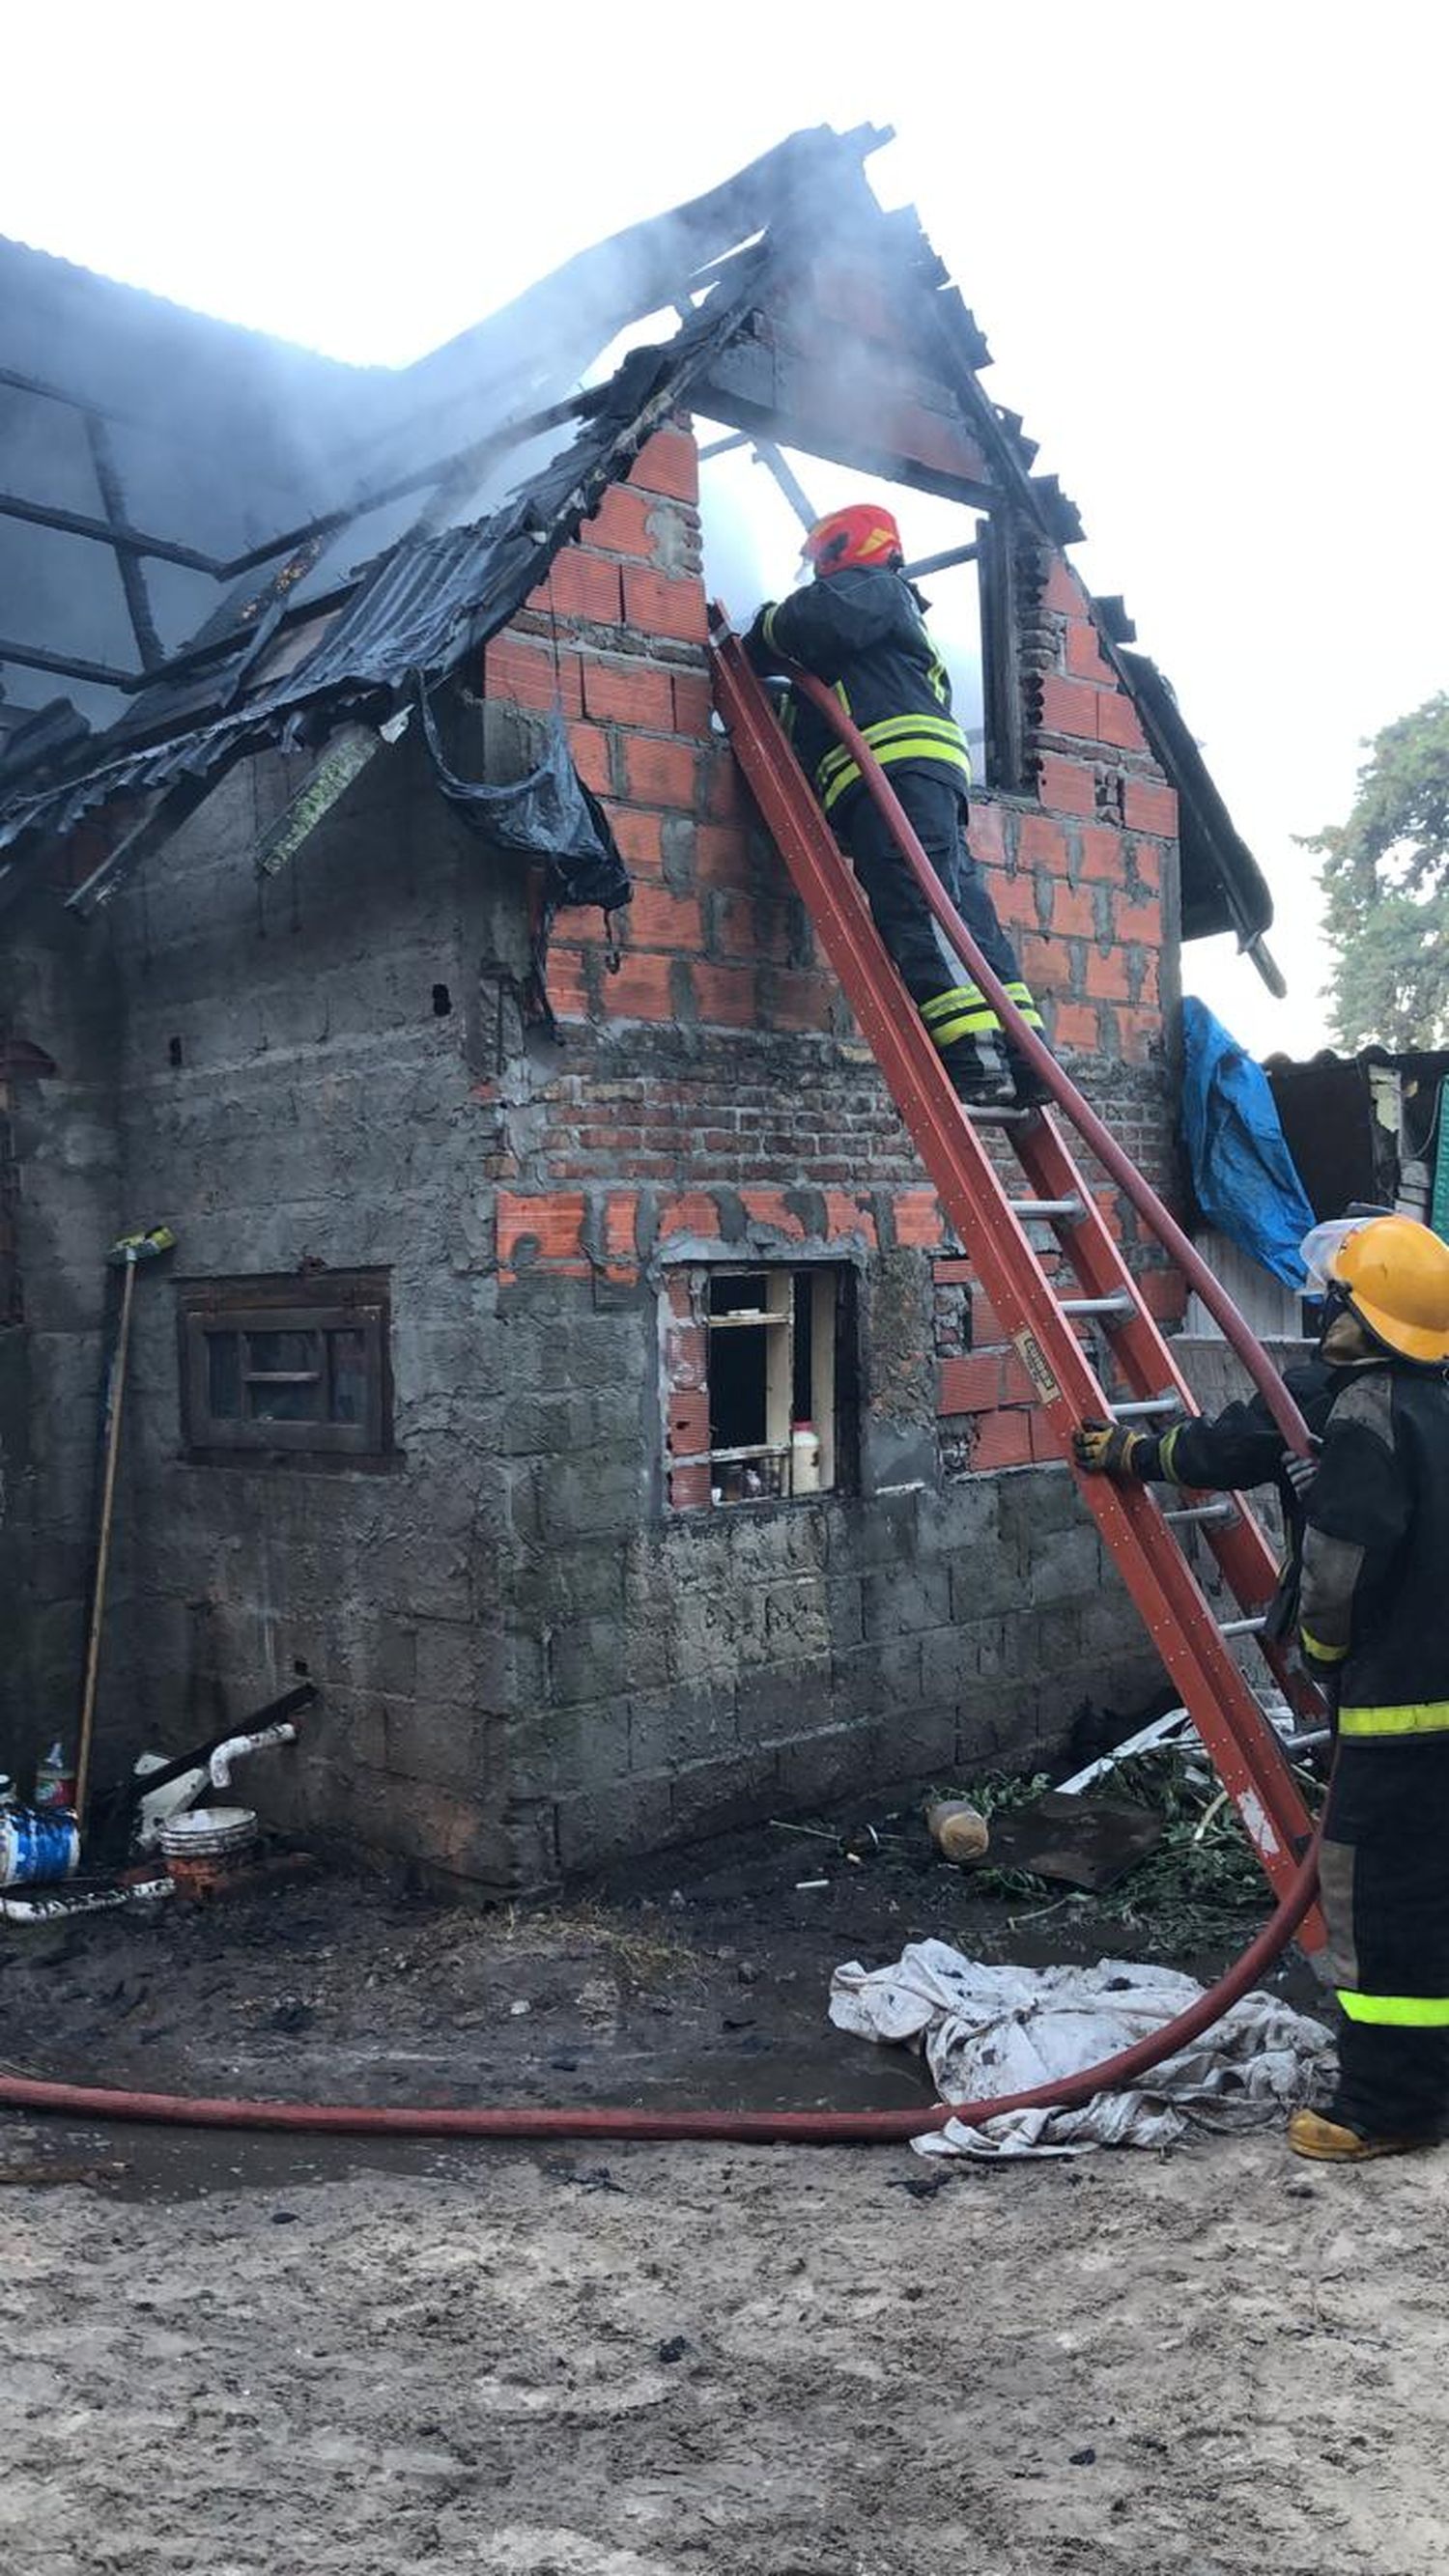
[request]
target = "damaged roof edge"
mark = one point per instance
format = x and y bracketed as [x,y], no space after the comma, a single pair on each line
[1223,887]
[417,611]
[633,272]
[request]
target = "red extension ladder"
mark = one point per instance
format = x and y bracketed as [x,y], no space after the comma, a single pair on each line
[1194,1644]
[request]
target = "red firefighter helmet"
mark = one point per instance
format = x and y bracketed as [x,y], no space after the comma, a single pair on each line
[865,534]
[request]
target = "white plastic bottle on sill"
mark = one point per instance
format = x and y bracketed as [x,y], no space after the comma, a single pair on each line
[804,1458]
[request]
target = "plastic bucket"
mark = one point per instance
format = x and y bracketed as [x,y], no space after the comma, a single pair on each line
[38,1845]
[210,1833]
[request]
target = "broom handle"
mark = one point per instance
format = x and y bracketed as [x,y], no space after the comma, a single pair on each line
[103,1553]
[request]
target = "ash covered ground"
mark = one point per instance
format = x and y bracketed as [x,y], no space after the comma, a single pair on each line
[242,2353]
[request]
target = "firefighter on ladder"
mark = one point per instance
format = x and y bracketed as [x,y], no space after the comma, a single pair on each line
[859,626]
[1368,1583]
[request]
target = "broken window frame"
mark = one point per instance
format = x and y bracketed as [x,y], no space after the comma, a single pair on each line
[831,1290]
[211,1310]
[990,545]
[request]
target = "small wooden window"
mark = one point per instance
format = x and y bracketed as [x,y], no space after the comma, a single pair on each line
[293,1365]
[776,1348]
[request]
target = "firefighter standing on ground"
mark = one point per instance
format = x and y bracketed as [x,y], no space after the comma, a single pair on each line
[859,627]
[1370,1567]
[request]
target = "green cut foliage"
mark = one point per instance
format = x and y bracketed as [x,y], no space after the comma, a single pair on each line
[1385,878]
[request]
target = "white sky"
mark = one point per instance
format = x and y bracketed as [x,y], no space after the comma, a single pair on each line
[1206,244]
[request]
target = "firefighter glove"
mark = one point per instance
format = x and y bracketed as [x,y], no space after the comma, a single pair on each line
[1106,1448]
[1300,1472]
[760,653]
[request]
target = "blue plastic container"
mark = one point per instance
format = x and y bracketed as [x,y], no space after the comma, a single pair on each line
[38,1846]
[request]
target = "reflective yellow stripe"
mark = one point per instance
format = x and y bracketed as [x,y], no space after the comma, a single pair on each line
[1410,1717]
[1166,1449]
[1396,2012]
[969,997]
[971,1024]
[961,997]
[942,730]
[1020,994]
[1322,1654]
[767,625]
[913,748]
[964,1012]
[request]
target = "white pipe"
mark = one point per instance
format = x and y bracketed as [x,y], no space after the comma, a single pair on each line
[238,1745]
[44,1908]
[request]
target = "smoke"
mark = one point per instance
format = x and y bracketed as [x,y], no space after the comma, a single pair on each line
[222,439]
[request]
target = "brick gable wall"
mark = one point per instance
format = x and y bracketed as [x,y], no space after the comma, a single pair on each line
[720,954]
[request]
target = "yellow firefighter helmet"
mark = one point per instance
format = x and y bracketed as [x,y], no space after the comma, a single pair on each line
[1394,1274]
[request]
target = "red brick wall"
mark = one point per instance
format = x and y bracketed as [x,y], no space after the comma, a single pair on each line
[658,1140]
[713,939]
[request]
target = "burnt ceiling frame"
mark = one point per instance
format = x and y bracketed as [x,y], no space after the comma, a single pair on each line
[131,545]
[731,373]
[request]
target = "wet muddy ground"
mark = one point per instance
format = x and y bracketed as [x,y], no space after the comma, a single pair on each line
[700,1981]
[247,2353]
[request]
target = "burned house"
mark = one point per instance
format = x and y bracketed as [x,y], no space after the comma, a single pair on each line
[504,1278]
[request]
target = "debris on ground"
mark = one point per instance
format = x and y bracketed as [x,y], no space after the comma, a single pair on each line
[1089,1843]
[987,2031]
[958,1830]
[1192,1864]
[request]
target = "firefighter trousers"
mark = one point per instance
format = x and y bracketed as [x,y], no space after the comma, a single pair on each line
[1384,1873]
[939,982]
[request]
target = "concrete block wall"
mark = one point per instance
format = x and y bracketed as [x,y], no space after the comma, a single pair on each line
[296,1079]
[62,1205]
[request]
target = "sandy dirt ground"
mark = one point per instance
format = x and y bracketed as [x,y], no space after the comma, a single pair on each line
[237,2355]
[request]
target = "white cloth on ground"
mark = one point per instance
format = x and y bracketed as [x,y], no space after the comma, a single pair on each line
[990,2031]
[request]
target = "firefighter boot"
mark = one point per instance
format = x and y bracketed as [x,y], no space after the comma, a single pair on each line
[1330,2142]
[1031,1091]
[980,1074]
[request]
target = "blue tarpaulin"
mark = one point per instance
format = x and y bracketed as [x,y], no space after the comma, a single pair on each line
[1243,1174]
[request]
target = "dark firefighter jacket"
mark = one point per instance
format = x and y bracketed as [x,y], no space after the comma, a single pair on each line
[1242,1446]
[1375,1600]
[862,632]
[1370,1562]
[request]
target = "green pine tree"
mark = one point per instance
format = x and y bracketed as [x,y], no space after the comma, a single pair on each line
[1385,878]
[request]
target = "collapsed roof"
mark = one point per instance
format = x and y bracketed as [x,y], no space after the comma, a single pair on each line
[218,542]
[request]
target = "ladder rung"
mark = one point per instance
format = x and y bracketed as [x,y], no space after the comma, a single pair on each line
[1146,1404]
[1202,1513]
[1027,1208]
[1121,1304]
[982,1115]
[1243,1627]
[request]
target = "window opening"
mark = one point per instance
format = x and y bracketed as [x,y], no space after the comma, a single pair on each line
[775,1349]
[297,1365]
[752,533]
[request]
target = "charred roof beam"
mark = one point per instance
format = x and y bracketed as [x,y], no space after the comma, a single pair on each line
[128,562]
[70,666]
[107,532]
[730,393]
[23,384]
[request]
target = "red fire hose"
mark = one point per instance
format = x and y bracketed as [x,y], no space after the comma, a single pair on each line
[751,2128]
